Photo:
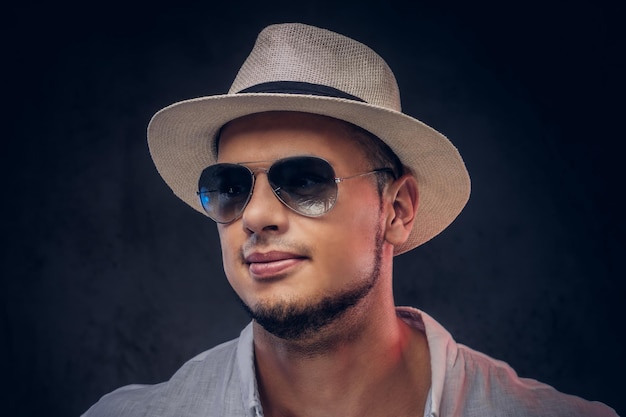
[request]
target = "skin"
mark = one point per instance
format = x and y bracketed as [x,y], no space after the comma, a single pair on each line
[366,362]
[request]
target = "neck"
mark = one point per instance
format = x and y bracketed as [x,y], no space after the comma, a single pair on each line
[369,364]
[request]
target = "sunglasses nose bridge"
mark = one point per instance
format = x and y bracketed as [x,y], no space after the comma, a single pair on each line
[255,176]
[260,209]
[255,170]
[265,171]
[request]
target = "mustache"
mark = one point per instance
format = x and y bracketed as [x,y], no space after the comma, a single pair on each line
[263,243]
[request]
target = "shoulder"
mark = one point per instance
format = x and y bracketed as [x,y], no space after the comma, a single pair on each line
[468,383]
[482,385]
[202,382]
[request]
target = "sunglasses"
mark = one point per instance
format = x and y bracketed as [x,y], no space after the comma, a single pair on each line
[305,184]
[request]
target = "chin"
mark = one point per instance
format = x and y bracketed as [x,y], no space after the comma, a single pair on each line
[298,321]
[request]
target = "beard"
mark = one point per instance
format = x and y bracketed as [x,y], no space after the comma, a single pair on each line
[300,321]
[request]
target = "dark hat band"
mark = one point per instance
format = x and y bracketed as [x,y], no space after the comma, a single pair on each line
[299,87]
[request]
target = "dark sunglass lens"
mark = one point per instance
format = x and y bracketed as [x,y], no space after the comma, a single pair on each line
[224,190]
[305,184]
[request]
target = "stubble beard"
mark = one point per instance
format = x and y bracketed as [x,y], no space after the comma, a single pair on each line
[299,322]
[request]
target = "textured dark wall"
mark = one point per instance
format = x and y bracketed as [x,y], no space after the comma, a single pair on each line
[108,279]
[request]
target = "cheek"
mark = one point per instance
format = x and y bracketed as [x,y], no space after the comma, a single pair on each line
[353,242]
[230,256]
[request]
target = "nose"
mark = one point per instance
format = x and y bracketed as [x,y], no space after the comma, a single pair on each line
[264,212]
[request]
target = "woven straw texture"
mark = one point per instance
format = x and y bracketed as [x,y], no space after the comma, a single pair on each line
[317,56]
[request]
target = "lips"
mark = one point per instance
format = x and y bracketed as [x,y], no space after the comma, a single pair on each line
[272,264]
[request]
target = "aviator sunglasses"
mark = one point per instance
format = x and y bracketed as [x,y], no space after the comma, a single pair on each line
[305,184]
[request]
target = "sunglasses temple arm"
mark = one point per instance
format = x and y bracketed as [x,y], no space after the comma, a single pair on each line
[389,170]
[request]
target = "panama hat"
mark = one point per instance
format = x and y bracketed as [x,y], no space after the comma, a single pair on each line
[297,67]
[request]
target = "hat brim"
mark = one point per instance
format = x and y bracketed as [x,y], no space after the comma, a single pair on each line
[181,141]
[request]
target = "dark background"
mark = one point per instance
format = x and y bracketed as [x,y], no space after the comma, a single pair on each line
[108,279]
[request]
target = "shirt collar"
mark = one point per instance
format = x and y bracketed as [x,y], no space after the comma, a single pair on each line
[247,373]
[443,352]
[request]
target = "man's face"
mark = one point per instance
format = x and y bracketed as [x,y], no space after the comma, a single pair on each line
[288,269]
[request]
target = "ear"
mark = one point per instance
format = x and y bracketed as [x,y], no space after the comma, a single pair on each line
[402,197]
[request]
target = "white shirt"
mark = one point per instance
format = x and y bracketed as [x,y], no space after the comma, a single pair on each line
[221,382]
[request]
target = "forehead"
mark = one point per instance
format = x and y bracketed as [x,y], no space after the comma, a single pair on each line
[273,135]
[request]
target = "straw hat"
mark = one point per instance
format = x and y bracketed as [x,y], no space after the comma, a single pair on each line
[296,67]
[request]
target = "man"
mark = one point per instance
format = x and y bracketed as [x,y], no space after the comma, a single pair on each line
[316,180]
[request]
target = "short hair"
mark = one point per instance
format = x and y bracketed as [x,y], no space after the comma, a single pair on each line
[378,153]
